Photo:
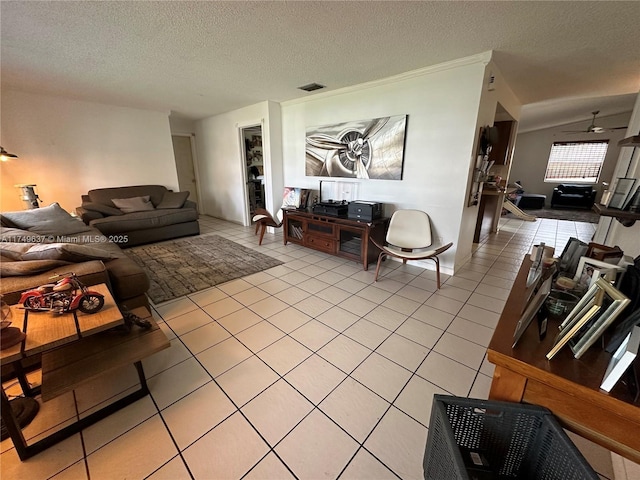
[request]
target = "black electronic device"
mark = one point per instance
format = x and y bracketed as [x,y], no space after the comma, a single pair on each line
[332,208]
[364,211]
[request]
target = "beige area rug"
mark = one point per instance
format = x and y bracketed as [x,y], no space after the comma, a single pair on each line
[188,265]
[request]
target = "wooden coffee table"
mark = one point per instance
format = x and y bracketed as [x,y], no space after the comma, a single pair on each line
[73,353]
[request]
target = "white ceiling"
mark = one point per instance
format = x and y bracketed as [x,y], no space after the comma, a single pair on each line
[196,59]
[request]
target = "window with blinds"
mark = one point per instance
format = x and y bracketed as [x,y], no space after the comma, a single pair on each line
[576,162]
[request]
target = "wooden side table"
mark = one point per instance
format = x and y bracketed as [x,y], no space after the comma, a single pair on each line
[569,387]
[74,353]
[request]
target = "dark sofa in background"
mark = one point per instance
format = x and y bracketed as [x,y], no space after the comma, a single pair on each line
[573,196]
[139,214]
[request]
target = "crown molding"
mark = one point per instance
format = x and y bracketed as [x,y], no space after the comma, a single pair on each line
[484,58]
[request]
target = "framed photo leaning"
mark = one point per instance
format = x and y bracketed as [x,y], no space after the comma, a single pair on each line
[584,311]
[532,309]
[614,302]
[623,190]
[571,256]
[590,269]
[621,360]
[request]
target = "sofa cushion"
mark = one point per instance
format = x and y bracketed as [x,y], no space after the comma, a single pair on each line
[173,200]
[144,220]
[51,220]
[69,252]
[104,195]
[10,234]
[14,250]
[99,207]
[133,204]
[128,280]
[10,268]
[90,273]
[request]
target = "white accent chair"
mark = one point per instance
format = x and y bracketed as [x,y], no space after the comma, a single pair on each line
[264,219]
[409,238]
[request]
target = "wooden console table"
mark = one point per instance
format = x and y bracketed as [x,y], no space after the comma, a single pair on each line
[335,235]
[73,354]
[570,388]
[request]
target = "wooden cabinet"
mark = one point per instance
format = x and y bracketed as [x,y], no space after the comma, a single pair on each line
[335,235]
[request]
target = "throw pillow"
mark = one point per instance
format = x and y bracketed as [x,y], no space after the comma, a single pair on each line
[98,207]
[133,204]
[51,220]
[173,200]
[69,252]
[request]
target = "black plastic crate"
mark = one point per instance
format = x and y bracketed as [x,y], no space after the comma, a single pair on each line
[482,439]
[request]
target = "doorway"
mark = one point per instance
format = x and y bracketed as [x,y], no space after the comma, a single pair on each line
[495,187]
[184,154]
[253,162]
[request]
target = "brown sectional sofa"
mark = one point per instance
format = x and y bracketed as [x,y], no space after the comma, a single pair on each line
[164,215]
[37,244]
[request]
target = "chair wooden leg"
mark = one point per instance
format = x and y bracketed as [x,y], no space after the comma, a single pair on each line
[264,229]
[435,259]
[257,227]
[378,265]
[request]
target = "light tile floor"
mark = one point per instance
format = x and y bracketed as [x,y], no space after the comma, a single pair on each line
[307,370]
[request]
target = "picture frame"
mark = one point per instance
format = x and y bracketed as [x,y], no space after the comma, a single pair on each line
[531,310]
[291,197]
[604,253]
[624,187]
[590,269]
[618,302]
[304,198]
[568,260]
[621,359]
[532,287]
[577,318]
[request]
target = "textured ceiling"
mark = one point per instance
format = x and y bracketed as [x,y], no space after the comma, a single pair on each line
[198,59]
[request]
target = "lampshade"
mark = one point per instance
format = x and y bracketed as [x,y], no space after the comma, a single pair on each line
[4,155]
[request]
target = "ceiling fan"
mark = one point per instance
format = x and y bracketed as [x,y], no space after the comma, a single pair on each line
[593,128]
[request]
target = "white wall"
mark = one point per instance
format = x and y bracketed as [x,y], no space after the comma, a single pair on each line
[68,147]
[181,125]
[221,173]
[610,231]
[442,105]
[533,148]
[499,92]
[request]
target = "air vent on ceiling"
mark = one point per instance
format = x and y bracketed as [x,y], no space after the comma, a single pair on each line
[311,87]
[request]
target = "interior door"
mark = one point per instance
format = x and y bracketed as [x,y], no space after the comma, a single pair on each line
[183,153]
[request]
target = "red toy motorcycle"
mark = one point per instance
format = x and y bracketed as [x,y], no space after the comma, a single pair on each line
[66,295]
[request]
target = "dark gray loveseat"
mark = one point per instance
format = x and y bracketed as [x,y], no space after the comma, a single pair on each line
[146,213]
